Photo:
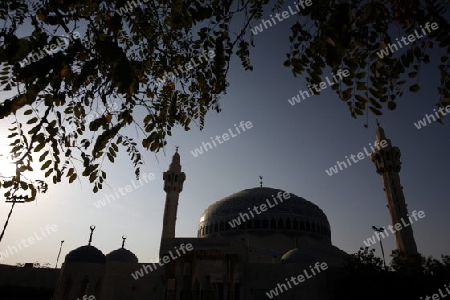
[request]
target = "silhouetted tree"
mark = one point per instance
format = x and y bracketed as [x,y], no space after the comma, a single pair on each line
[77,73]
[408,277]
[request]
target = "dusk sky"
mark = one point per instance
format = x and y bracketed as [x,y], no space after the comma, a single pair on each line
[290,146]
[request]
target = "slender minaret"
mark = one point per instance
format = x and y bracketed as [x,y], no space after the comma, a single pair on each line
[173,185]
[388,164]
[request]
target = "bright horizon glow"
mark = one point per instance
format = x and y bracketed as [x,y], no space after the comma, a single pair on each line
[7,167]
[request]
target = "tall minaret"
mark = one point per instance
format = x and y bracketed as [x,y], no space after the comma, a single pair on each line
[388,164]
[173,185]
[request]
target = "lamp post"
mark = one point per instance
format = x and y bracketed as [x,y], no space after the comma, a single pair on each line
[57,259]
[378,230]
[14,199]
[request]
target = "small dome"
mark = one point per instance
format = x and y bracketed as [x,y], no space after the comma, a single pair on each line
[122,255]
[310,254]
[86,254]
[297,255]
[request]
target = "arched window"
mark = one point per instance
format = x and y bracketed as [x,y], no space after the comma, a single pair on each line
[313,227]
[249,224]
[84,287]
[67,288]
[265,223]
[288,224]
[280,223]
[241,226]
[273,224]
[295,224]
[227,225]
[308,227]
[98,288]
[257,224]
[236,227]
[216,227]
[222,225]
[302,225]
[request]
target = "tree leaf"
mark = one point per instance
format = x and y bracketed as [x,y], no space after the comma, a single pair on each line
[414,88]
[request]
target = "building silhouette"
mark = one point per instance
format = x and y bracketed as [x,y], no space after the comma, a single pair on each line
[239,253]
[227,260]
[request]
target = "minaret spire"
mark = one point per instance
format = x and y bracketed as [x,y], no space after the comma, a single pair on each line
[387,162]
[92,232]
[124,237]
[173,185]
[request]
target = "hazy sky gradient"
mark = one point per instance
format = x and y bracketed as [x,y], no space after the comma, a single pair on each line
[291,146]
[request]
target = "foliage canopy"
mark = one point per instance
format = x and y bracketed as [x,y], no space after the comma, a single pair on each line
[85,70]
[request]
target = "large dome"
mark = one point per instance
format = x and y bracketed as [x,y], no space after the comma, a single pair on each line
[310,254]
[293,216]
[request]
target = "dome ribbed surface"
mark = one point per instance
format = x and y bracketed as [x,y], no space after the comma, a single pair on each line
[294,211]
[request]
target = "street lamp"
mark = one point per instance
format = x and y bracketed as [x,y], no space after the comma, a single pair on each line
[57,259]
[378,230]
